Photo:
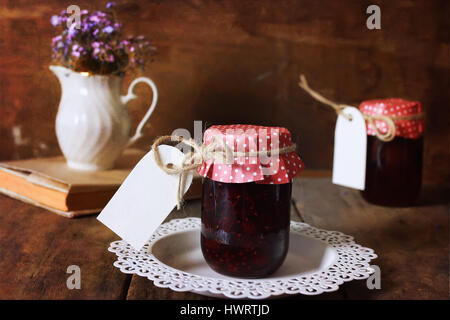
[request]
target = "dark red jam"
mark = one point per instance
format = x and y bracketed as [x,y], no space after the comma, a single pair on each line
[393,171]
[245,227]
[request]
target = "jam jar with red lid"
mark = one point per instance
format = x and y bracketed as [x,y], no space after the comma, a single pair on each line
[394,168]
[246,202]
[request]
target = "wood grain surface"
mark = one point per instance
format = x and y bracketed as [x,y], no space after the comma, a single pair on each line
[412,243]
[238,61]
[37,246]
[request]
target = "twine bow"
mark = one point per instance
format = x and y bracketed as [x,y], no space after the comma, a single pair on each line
[338,108]
[217,149]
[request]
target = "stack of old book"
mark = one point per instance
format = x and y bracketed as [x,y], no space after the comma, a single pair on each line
[49,183]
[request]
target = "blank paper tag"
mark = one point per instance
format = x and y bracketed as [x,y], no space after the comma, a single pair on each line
[350,143]
[145,198]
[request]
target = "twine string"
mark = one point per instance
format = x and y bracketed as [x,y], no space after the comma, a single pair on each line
[338,108]
[217,149]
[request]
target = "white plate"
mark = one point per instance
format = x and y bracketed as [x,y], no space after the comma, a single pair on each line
[317,261]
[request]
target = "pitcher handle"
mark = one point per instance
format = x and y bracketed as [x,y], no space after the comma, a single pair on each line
[130,95]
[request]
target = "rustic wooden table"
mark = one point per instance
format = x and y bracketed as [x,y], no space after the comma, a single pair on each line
[36,247]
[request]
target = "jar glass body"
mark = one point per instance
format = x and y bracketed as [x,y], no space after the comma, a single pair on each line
[245,227]
[393,171]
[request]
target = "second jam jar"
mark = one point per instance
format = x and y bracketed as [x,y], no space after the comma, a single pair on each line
[394,168]
[246,203]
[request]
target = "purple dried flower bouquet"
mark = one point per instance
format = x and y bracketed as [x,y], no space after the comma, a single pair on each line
[96,45]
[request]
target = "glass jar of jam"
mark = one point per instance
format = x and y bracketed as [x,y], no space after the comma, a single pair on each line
[246,203]
[394,168]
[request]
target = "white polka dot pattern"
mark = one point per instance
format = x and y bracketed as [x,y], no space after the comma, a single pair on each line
[277,169]
[411,129]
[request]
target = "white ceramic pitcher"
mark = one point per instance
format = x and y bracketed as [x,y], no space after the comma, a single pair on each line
[92,125]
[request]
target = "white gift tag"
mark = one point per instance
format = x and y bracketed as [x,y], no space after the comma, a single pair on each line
[350,147]
[145,198]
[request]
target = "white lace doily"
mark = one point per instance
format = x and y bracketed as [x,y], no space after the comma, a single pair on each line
[349,261]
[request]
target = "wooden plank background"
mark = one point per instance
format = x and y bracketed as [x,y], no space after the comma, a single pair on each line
[238,61]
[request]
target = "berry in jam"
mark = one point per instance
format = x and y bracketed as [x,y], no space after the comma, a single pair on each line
[393,171]
[245,227]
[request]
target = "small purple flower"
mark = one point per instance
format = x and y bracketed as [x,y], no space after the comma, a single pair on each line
[96,52]
[55,20]
[56,39]
[94,18]
[108,29]
[110,58]
[111,4]
[100,14]
[72,30]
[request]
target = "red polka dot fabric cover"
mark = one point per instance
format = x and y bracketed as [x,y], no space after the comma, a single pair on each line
[277,169]
[411,129]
